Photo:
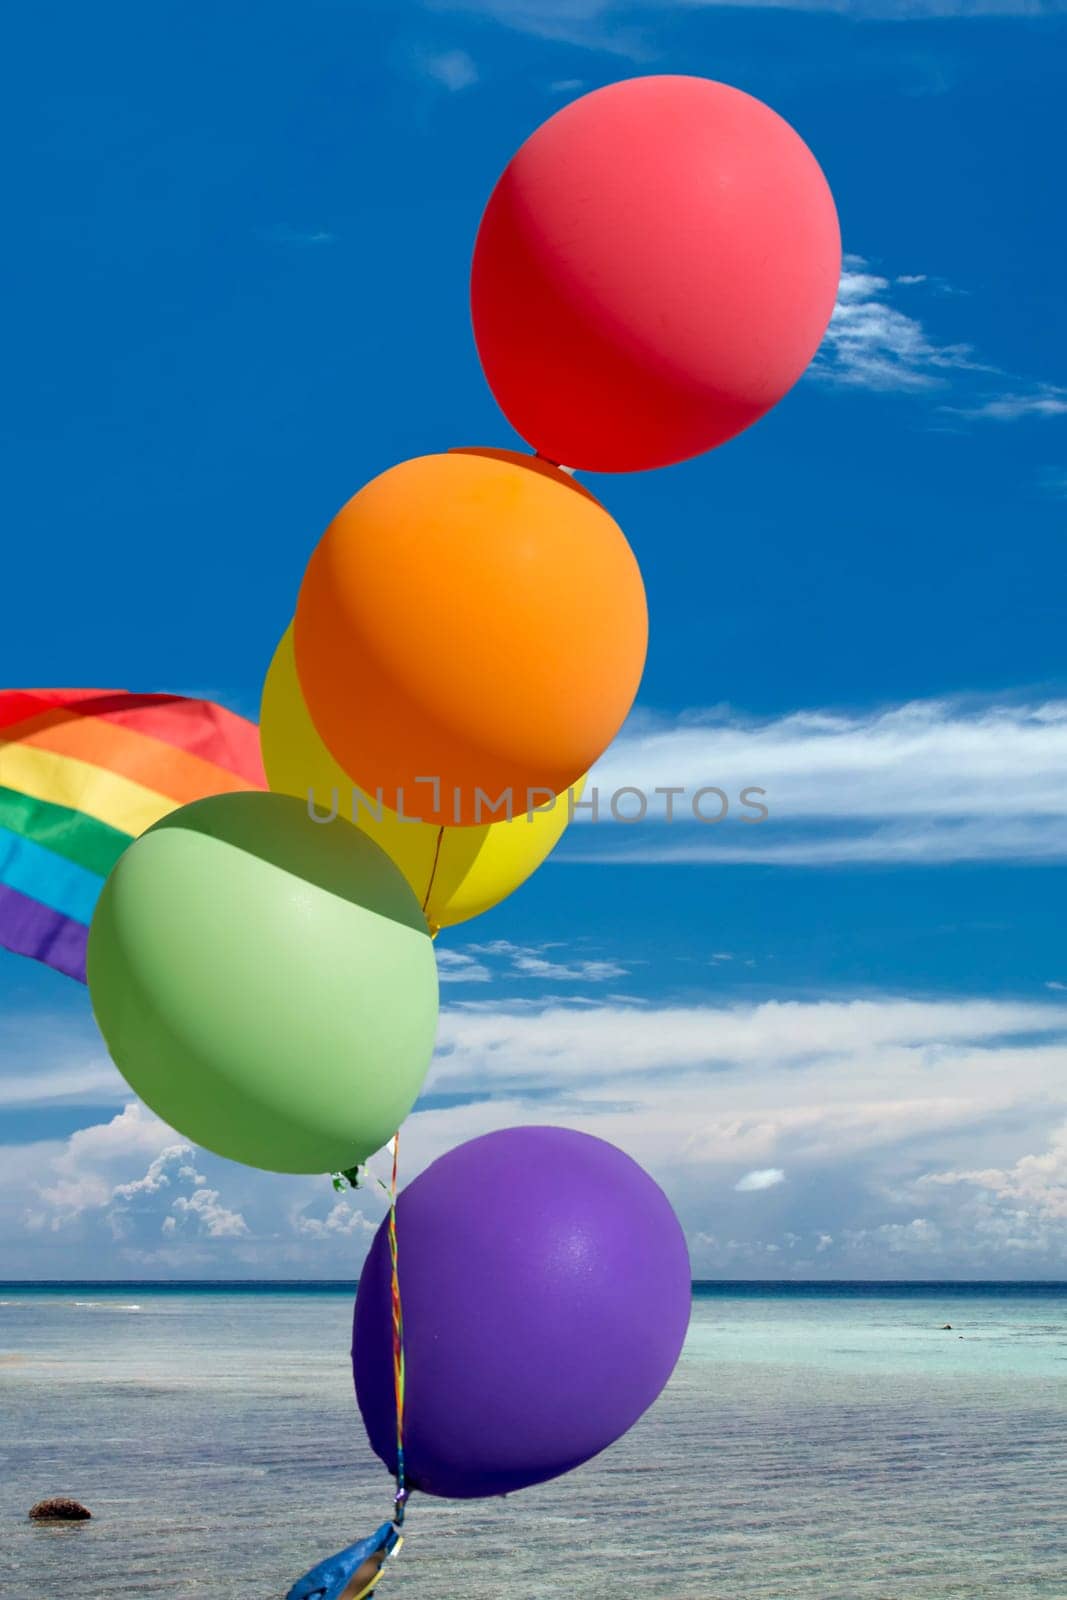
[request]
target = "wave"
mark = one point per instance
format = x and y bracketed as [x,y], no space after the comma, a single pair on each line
[106,1305]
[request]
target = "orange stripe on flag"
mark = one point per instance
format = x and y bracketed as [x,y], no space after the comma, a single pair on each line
[163,768]
[65,781]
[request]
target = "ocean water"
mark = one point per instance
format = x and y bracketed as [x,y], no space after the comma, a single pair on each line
[829,1441]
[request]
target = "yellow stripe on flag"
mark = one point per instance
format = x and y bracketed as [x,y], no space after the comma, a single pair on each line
[66,781]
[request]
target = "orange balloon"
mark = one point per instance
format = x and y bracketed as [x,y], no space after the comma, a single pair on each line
[471,625]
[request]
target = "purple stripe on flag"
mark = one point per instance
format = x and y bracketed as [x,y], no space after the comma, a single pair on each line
[31,929]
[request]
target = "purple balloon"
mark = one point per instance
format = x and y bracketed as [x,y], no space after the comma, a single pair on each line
[546,1292]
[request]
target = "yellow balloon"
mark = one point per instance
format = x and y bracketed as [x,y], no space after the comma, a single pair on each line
[456,872]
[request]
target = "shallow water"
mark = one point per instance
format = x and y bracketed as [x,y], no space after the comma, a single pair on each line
[834,1443]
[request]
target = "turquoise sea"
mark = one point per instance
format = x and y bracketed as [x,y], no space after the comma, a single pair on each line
[830,1441]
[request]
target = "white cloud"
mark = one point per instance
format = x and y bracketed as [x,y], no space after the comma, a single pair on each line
[947,757]
[855,1099]
[85,1173]
[872,344]
[205,1209]
[1034,1188]
[453,69]
[1044,401]
[157,1177]
[601,25]
[341,1220]
[530,961]
[919,843]
[915,1238]
[92,1083]
[55,1059]
[761,1178]
[453,966]
[82,1181]
[533,966]
[827,1058]
[622,27]
[129,1196]
[885,1112]
[928,781]
[898,10]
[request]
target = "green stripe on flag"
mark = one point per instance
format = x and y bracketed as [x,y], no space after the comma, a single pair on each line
[81,839]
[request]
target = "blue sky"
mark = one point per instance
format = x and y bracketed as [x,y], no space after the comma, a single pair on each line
[238,245]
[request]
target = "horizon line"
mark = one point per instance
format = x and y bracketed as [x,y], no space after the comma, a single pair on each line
[696,1283]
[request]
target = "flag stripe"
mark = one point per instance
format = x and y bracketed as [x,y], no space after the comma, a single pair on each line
[199,727]
[80,838]
[28,928]
[65,781]
[127,751]
[16,705]
[34,870]
[82,773]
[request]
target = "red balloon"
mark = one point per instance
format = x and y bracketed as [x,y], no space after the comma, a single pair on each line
[654,270]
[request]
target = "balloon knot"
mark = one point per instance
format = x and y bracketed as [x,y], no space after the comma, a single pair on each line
[539,455]
[351,1178]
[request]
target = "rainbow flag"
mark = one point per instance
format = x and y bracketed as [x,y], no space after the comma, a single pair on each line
[84,771]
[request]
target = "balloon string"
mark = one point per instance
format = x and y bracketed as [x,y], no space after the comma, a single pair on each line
[398,1343]
[433,869]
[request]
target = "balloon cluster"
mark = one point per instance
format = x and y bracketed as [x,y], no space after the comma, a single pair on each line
[654,270]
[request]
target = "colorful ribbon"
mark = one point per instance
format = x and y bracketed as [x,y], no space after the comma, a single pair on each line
[398,1341]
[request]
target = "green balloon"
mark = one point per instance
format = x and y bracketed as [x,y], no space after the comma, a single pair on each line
[266,983]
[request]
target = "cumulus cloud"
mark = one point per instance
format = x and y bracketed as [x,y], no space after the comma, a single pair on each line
[914,1132]
[130,1196]
[205,1210]
[851,1097]
[1034,1187]
[342,1220]
[761,1178]
[158,1176]
[170,1194]
[1004,1220]
[84,1174]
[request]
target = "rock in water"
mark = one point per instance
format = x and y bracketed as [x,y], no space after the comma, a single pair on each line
[59,1509]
